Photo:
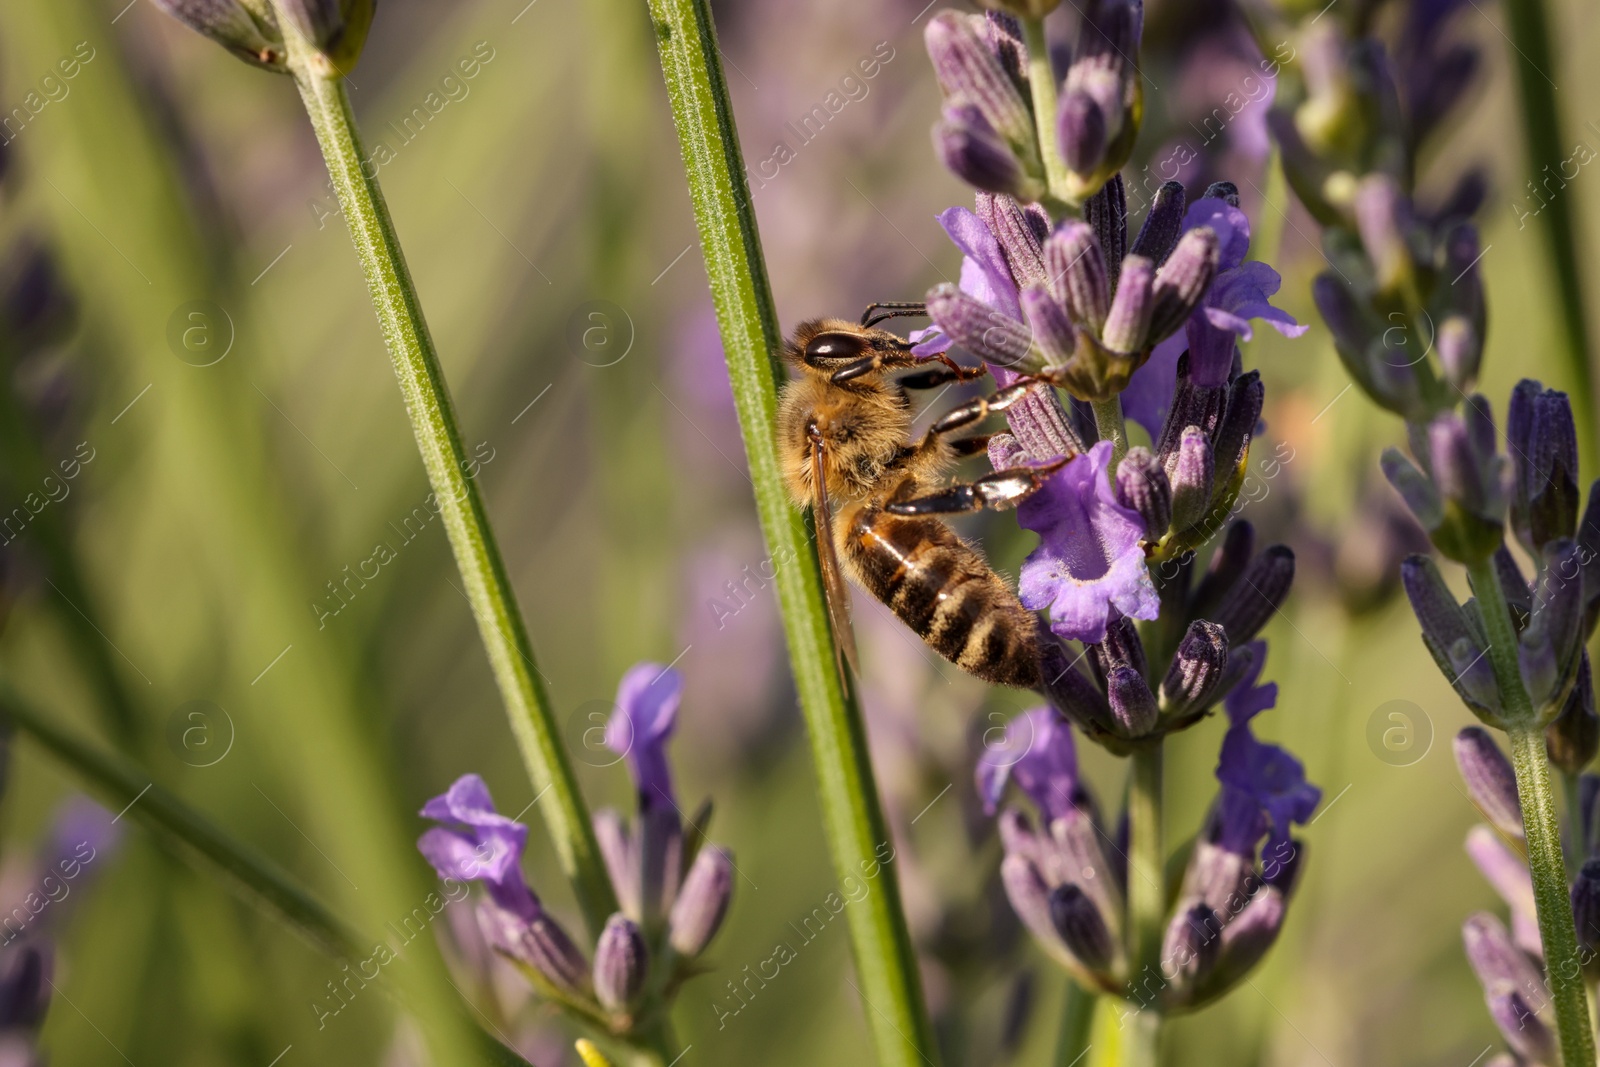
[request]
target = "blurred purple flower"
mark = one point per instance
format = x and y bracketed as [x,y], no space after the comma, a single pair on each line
[1037,752]
[478,844]
[646,712]
[1265,774]
[1089,560]
[1240,292]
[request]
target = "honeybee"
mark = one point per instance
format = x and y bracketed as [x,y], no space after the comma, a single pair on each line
[844,431]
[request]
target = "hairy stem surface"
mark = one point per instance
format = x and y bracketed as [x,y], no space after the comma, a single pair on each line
[858,836]
[1146,905]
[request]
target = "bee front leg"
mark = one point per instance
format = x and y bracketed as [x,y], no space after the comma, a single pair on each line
[1000,491]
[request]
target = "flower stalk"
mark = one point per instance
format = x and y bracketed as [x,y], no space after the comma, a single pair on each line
[730,243]
[1042,85]
[433,420]
[1540,825]
[1147,901]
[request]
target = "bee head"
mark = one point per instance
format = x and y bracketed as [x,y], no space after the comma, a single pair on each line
[842,351]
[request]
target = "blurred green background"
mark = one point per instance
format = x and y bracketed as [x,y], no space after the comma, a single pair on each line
[223,500]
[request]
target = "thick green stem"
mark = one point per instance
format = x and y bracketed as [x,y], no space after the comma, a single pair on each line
[1539,823]
[858,836]
[1042,84]
[1077,1025]
[1546,148]
[1147,905]
[1109,421]
[433,420]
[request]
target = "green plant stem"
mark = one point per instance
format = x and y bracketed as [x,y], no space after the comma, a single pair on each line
[126,786]
[1147,903]
[1042,84]
[1540,825]
[858,837]
[1109,421]
[1542,139]
[1077,1024]
[427,398]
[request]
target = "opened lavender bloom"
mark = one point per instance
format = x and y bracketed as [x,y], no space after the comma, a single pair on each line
[668,917]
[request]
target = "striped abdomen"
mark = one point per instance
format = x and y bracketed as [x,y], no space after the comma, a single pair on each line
[945,591]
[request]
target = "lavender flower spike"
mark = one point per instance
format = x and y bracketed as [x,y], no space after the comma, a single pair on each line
[1089,561]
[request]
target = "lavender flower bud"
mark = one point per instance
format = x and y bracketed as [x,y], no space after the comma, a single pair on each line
[538,943]
[1455,644]
[617,849]
[1082,928]
[1182,282]
[702,902]
[1120,647]
[1588,539]
[1107,212]
[1030,898]
[1490,781]
[1552,640]
[1248,937]
[1195,676]
[1383,217]
[988,334]
[1020,232]
[974,151]
[1052,330]
[1543,447]
[1142,486]
[1467,475]
[1077,273]
[1003,33]
[1507,873]
[1133,706]
[1128,321]
[660,844]
[1190,950]
[1163,224]
[25,988]
[336,28]
[1082,132]
[620,964]
[1460,351]
[1414,488]
[1586,915]
[1494,958]
[1238,548]
[253,38]
[1573,739]
[1526,1033]
[970,72]
[1231,446]
[1069,691]
[1191,471]
[1258,593]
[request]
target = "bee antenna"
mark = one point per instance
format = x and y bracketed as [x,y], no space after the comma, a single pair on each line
[893,309]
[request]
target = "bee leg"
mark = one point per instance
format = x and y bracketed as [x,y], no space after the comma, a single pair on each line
[971,446]
[895,309]
[1000,491]
[950,372]
[977,410]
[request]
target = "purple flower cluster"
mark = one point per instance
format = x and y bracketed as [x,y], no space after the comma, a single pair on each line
[668,917]
[1067,877]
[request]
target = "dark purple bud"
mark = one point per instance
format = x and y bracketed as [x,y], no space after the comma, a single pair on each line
[1574,738]
[1102,69]
[1527,1034]
[1414,488]
[1004,35]
[1081,926]
[1052,330]
[1195,676]
[970,72]
[1015,228]
[1142,486]
[1490,781]
[1128,321]
[1467,477]
[229,23]
[660,838]
[1107,212]
[1552,640]
[974,151]
[1450,637]
[1077,269]
[24,987]
[1082,129]
[1075,696]
[992,336]
[1543,447]
[620,964]
[702,902]
[1588,539]
[539,943]
[1257,594]
[1586,907]
[1182,281]
[1191,472]
[1190,950]
[1163,224]
[1193,404]
[1120,647]
[1246,397]
[1248,937]
[1238,548]
[1462,256]
[1383,217]
[1460,351]
[1133,706]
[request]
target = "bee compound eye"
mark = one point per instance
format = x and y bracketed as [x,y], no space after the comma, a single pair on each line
[833,347]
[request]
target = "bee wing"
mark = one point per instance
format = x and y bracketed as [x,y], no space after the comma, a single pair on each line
[833,584]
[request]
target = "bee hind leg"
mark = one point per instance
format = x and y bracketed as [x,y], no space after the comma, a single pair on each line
[1000,491]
